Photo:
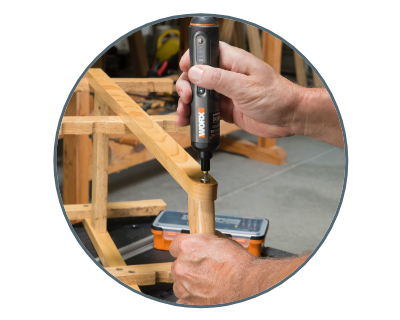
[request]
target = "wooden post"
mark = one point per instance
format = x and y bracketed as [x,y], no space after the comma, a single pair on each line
[100,171]
[300,65]
[138,54]
[226,31]
[76,155]
[201,215]
[271,54]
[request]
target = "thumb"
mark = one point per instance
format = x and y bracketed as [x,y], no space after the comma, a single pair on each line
[228,83]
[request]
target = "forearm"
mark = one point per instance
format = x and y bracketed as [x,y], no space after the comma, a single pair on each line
[264,273]
[315,117]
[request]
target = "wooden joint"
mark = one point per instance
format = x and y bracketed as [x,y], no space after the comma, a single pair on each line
[142,275]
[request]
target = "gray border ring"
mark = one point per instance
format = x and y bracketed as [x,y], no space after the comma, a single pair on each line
[183,16]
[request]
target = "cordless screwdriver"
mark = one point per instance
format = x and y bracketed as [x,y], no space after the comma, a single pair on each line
[204,108]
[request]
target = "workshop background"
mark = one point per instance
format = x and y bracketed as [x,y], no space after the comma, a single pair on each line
[299,198]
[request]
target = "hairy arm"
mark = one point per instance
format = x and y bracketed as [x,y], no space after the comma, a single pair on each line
[258,100]
[315,117]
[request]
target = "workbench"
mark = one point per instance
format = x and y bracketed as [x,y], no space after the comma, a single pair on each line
[134,240]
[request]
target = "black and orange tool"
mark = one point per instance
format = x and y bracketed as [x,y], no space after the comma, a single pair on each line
[204,108]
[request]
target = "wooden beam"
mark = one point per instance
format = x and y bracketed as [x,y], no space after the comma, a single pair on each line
[83,85]
[182,167]
[253,35]
[138,54]
[144,274]
[115,125]
[100,171]
[135,84]
[300,66]
[76,156]
[272,51]
[226,32]
[145,85]
[104,245]
[106,249]
[273,154]
[142,208]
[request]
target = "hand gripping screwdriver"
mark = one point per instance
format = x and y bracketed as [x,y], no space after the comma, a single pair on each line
[204,108]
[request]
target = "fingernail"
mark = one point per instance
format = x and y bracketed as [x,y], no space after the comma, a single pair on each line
[195,74]
[180,93]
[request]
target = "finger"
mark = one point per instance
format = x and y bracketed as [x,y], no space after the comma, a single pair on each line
[230,58]
[184,64]
[220,235]
[179,290]
[183,88]
[182,122]
[174,247]
[183,109]
[237,60]
[230,84]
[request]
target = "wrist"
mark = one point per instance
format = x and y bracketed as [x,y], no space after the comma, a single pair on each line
[299,110]
[263,273]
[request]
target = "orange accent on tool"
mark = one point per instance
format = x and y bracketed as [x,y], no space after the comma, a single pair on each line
[202,25]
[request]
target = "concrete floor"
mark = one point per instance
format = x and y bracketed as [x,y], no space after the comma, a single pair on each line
[299,198]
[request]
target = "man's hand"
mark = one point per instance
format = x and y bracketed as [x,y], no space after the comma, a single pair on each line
[254,96]
[214,270]
[258,100]
[209,269]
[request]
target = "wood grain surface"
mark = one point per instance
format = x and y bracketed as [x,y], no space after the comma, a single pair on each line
[141,208]
[182,167]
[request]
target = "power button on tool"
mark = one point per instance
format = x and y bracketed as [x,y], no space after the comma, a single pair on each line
[201,57]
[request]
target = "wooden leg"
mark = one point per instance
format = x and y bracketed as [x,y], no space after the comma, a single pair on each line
[272,51]
[106,249]
[100,171]
[201,215]
[266,143]
[76,155]
[273,154]
[300,66]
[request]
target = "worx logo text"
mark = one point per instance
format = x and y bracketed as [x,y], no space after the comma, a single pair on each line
[201,123]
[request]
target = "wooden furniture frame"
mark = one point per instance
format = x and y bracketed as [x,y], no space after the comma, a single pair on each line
[78,157]
[150,131]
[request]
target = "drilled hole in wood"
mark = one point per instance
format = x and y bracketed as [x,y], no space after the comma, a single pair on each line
[119,269]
